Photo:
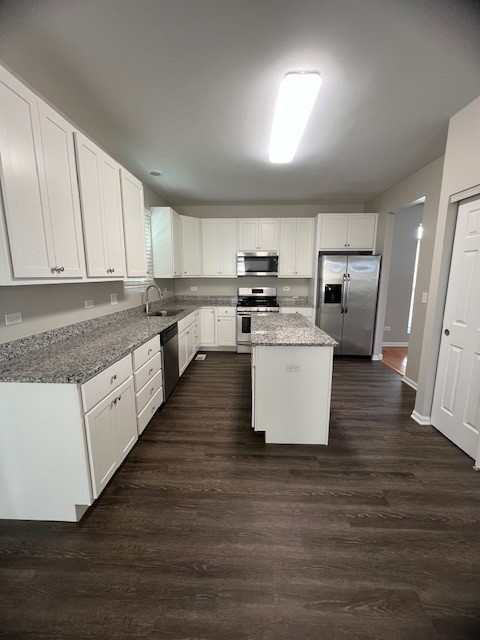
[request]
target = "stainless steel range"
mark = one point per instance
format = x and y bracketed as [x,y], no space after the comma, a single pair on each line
[252,301]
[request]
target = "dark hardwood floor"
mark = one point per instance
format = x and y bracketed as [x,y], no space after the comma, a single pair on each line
[207,533]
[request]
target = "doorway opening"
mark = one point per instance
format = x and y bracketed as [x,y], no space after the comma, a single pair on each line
[402,283]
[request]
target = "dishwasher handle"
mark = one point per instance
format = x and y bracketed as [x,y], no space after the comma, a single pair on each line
[167,334]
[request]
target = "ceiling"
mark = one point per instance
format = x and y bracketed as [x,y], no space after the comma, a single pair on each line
[188,87]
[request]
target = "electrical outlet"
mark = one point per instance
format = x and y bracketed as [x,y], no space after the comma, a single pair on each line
[113,298]
[193,288]
[88,304]
[387,328]
[286,288]
[13,318]
[424,297]
[165,290]
[293,367]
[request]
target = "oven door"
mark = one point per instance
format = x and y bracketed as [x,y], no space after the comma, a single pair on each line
[244,324]
[260,263]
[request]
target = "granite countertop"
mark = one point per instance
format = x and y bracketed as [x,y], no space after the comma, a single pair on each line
[288,330]
[293,301]
[78,358]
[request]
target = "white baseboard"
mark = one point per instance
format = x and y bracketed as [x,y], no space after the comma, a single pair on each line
[217,348]
[410,383]
[423,420]
[394,344]
[377,356]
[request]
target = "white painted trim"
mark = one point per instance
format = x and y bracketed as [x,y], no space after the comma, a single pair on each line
[410,383]
[377,356]
[395,344]
[466,193]
[423,420]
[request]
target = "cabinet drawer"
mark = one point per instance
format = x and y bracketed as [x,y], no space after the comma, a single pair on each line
[145,394]
[226,312]
[147,414]
[185,322]
[102,384]
[146,373]
[145,352]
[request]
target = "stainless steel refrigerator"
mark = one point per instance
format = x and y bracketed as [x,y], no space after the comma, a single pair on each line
[347,301]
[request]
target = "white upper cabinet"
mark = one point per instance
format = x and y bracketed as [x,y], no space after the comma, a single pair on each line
[134,225]
[347,231]
[99,177]
[257,235]
[296,248]
[166,243]
[192,264]
[219,239]
[39,186]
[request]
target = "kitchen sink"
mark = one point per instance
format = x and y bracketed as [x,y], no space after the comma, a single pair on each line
[166,313]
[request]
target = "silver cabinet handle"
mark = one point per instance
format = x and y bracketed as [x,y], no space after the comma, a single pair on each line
[62,269]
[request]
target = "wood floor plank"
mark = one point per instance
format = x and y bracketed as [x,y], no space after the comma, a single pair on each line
[208,533]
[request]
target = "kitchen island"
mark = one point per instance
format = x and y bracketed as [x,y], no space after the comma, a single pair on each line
[292,363]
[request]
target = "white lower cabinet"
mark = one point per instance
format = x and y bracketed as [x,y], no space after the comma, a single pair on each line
[147,363]
[208,328]
[187,340]
[226,330]
[218,327]
[111,429]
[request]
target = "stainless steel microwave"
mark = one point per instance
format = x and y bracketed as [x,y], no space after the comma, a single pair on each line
[257,263]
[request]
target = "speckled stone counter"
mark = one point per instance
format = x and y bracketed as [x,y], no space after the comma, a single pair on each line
[288,329]
[82,355]
[294,301]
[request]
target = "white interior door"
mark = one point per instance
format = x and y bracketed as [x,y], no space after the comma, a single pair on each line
[456,401]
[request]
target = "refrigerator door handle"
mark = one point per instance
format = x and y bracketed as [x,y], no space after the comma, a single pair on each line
[348,294]
[342,299]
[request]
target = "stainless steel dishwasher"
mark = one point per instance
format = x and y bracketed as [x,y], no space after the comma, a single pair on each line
[169,342]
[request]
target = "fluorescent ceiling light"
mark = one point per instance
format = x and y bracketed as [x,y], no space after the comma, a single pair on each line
[295,101]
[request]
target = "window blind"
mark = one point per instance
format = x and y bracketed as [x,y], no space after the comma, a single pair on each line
[138,285]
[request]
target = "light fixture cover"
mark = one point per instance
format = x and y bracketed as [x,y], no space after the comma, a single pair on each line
[295,101]
[155,173]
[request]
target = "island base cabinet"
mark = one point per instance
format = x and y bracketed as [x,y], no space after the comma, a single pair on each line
[292,387]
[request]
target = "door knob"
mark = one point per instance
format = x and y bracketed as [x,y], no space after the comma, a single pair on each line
[447,332]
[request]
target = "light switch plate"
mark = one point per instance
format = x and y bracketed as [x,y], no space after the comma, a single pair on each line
[387,328]
[286,288]
[293,367]
[113,298]
[88,304]
[13,318]
[424,297]
[193,288]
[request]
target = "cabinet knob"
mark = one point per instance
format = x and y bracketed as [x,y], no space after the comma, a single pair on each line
[113,378]
[149,351]
[62,269]
[152,390]
[151,371]
[119,398]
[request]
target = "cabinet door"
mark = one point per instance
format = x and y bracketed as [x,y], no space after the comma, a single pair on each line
[190,343]
[134,225]
[304,248]
[191,246]
[23,184]
[207,327]
[62,191]
[228,248]
[211,247]
[286,261]
[268,235]
[177,244]
[226,332]
[89,165]
[125,419]
[112,209]
[361,232]
[335,232]
[248,235]
[182,352]
[101,440]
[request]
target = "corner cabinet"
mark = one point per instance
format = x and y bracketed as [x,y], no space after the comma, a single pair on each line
[296,248]
[219,238]
[134,225]
[346,232]
[99,179]
[39,186]
[166,243]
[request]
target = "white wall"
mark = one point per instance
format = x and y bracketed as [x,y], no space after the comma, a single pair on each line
[425,183]
[402,265]
[266,210]
[461,172]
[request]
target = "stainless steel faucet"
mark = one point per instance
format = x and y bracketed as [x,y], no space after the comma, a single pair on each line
[147,303]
